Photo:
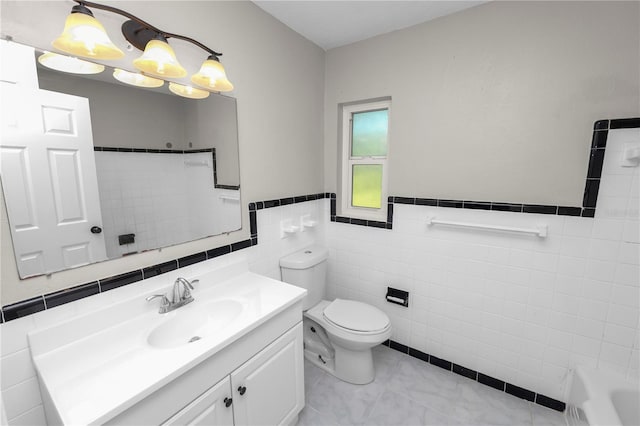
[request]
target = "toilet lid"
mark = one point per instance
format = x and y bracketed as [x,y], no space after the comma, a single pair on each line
[356,316]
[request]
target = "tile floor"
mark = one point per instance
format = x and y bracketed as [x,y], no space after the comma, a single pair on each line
[408,391]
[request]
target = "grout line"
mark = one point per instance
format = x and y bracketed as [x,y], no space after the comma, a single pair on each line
[23,381]
[40,406]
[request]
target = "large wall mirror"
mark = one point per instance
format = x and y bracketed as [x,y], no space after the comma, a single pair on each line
[94,169]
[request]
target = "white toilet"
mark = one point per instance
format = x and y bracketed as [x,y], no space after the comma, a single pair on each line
[338,335]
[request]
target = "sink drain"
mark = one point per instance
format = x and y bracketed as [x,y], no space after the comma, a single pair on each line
[194,338]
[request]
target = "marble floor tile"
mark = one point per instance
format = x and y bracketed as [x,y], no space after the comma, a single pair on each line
[543,416]
[311,417]
[424,383]
[411,392]
[311,375]
[482,405]
[348,404]
[393,409]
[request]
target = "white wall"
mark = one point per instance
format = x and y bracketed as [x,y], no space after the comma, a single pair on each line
[494,103]
[519,308]
[215,124]
[122,116]
[279,109]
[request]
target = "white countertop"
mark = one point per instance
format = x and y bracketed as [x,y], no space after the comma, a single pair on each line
[97,365]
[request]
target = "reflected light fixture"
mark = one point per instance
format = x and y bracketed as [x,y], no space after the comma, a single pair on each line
[69,64]
[212,76]
[188,91]
[85,36]
[136,79]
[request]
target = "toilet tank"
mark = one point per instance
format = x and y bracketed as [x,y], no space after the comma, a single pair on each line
[307,268]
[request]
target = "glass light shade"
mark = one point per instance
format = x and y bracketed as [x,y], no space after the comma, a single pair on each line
[136,79]
[67,64]
[187,91]
[212,77]
[84,36]
[159,60]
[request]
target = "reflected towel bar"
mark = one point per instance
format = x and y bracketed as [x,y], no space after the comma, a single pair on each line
[540,230]
[196,163]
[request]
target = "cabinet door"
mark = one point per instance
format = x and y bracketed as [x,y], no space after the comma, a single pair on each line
[212,408]
[269,388]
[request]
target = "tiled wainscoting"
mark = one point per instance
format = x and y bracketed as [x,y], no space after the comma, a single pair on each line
[162,198]
[264,258]
[517,307]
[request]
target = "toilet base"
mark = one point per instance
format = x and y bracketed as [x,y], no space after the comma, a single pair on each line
[352,365]
[356,368]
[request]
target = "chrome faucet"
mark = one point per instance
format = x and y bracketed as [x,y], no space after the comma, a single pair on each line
[178,298]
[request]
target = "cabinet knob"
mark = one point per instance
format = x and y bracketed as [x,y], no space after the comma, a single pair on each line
[227,402]
[242,390]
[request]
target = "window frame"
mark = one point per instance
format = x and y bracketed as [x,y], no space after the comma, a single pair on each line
[347,161]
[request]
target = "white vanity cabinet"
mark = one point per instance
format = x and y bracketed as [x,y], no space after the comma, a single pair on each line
[212,408]
[268,389]
[247,371]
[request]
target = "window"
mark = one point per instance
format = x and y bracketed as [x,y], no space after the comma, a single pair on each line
[365,146]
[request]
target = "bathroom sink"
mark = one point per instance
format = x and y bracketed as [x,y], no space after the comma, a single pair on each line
[193,323]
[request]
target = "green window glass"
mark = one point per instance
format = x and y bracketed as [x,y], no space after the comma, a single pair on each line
[369,133]
[367,185]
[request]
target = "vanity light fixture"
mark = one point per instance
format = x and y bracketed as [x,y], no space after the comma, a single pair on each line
[187,91]
[68,64]
[84,36]
[212,76]
[136,79]
[159,60]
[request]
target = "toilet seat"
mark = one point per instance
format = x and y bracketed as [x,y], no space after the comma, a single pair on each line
[356,317]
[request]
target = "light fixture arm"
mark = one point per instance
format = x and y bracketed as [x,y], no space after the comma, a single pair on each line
[146,25]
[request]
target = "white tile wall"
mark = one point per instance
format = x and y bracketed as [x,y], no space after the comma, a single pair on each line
[19,384]
[520,308]
[264,258]
[164,199]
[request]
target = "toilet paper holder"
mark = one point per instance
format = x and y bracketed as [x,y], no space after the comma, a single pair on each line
[399,297]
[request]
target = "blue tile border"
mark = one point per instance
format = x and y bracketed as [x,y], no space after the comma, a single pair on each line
[481,378]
